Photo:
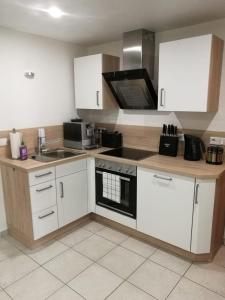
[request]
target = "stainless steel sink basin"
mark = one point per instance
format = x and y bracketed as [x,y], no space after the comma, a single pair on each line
[56,154]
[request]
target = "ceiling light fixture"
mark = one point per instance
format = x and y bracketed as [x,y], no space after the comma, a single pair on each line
[55,12]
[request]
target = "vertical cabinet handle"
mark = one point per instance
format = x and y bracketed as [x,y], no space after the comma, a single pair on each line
[97,98]
[162,97]
[196,193]
[62,189]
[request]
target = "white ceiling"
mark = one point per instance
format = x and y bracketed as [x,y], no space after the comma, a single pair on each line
[89,22]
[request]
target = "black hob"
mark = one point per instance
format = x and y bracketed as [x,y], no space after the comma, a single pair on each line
[129,153]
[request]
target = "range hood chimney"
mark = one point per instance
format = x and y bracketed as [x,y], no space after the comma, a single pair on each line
[139,50]
[132,87]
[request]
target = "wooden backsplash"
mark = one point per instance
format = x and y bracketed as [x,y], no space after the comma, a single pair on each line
[54,138]
[148,137]
[133,136]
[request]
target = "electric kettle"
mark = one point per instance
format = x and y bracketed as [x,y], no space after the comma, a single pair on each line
[194,147]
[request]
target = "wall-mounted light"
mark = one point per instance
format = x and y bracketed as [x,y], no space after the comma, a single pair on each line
[29,75]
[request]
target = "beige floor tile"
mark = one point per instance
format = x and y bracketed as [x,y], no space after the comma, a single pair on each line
[4,296]
[67,265]
[65,293]
[121,261]
[188,290]
[209,275]
[128,291]
[94,247]
[170,261]
[7,250]
[95,283]
[14,268]
[46,252]
[38,284]
[75,237]
[93,227]
[112,235]
[139,247]
[220,257]
[14,242]
[154,279]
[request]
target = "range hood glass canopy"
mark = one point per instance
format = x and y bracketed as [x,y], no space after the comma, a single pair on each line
[132,88]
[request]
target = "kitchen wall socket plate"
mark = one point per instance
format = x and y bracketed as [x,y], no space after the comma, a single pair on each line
[215,140]
[3,142]
[181,137]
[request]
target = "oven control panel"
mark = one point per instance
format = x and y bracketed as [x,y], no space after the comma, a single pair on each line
[116,167]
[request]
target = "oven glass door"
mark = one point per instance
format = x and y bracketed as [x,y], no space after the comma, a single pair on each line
[116,191]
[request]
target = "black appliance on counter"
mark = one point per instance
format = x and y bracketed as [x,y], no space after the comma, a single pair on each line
[194,148]
[129,153]
[116,187]
[112,139]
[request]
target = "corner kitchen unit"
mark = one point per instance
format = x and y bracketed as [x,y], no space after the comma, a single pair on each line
[112,150]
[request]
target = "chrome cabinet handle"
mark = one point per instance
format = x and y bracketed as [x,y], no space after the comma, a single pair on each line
[163,178]
[43,174]
[62,189]
[97,98]
[44,189]
[44,216]
[196,193]
[162,91]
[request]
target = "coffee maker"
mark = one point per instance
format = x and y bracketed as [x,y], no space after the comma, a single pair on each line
[194,147]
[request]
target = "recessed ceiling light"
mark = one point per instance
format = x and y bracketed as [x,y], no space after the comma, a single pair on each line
[55,12]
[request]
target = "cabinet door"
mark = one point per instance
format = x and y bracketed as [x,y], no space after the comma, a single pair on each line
[184,67]
[88,82]
[72,197]
[164,206]
[203,216]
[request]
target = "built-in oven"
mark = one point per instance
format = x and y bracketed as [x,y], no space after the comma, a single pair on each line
[116,187]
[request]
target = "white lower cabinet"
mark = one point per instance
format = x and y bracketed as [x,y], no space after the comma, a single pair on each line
[164,206]
[44,222]
[72,195]
[203,216]
[176,209]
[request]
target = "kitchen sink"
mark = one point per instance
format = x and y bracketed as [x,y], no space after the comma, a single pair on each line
[56,154]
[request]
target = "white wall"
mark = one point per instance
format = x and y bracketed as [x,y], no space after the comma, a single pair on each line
[207,121]
[48,99]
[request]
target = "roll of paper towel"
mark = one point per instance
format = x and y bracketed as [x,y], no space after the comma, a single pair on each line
[15,143]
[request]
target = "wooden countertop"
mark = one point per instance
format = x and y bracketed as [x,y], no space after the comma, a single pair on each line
[176,165]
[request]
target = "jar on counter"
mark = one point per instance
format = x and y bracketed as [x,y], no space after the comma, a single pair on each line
[214,155]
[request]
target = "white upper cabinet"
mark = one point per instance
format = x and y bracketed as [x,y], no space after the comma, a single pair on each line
[91,91]
[189,74]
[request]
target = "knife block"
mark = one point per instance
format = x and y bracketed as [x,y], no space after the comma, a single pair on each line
[168,145]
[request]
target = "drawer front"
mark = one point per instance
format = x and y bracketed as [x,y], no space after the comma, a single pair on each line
[42,196]
[71,167]
[45,222]
[40,176]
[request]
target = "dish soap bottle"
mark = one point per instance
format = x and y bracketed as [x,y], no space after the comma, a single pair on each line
[23,151]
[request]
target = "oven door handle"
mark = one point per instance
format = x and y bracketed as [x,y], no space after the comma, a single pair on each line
[121,177]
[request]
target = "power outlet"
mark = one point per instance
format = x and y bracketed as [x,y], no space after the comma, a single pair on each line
[181,137]
[3,142]
[215,140]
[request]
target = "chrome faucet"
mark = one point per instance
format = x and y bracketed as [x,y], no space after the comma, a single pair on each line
[41,141]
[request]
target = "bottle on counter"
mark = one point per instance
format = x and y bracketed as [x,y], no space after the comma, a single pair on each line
[23,151]
[214,155]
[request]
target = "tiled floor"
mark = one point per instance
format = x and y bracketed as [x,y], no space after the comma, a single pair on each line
[96,262]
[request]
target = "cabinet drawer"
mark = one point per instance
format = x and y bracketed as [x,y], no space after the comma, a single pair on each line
[45,222]
[71,167]
[42,196]
[40,176]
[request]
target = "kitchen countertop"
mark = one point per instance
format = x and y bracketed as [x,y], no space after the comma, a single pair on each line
[176,165]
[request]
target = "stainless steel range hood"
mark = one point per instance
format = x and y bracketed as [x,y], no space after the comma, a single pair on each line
[132,87]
